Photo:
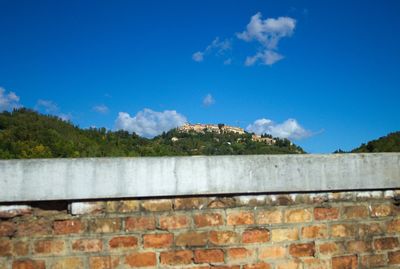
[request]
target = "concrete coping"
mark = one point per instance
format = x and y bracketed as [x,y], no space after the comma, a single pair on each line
[102,178]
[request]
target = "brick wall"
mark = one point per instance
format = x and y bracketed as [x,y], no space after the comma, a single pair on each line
[324,230]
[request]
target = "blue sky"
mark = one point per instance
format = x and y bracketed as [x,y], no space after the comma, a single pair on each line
[323,73]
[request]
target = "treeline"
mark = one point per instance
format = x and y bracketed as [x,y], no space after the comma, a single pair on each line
[388,143]
[25,133]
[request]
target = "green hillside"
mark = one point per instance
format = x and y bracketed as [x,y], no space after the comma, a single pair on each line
[25,133]
[388,143]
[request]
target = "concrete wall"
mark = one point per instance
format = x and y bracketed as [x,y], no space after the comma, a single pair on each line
[69,179]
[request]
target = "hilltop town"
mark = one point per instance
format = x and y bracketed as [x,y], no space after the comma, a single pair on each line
[221,129]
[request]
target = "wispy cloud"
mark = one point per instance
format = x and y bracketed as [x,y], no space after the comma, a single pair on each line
[8,100]
[289,129]
[102,109]
[149,123]
[49,107]
[217,47]
[267,33]
[208,100]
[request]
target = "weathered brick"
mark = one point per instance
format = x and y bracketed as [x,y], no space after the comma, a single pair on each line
[381,210]
[329,248]
[123,206]
[140,223]
[109,225]
[372,261]
[269,217]
[289,234]
[386,243]
[158,240]
[87,245]
[358,246]
[5,247]
[74,226]
[141,259]
[343,230]
[86,208]
[394,257]
[103,262]
[345,262]
[174,222]
[123,242]
[302,250]
[157,205]
[21,247]
[258,235]
[289,265]
[393,226]
[34,228]
[28,264]
[298,215]
[7,228]
[208,256]
[370,229]
[208,219]
[239,254]
[355,212]
[221,202]
[49,246]
[191,239]
[190,203]
[272,252]
[316,263]
[68,263]
[7,212]
[176,257]
[315,231]
[223,237]
[260,265]
[240,218]
[326,213]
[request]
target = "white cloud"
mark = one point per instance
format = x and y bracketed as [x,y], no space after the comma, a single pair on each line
[8,101]
[289,129]
[217,47]
[267,33]
[149,123]
[102,109]
[47,106]
[208,100]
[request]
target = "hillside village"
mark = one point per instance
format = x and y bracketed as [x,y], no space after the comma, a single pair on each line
[221,129]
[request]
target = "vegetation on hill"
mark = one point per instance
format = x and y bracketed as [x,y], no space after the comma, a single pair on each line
[25,133]
[388,143]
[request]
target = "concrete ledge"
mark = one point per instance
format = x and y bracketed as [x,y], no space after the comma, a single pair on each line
[95,178]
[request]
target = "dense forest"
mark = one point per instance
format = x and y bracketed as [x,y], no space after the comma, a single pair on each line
[25,133]
[388,143]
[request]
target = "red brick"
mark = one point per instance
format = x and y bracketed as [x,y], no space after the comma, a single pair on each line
[190,203]
[355,212]
[5,247]
[105,225]
[393,226]
[236,254]
[140,223]
[87,245]
[191,239]
[255,236]
[343,230]
[210,219]
[223,237]
[49,246]
[329,248]
[386,243]
[103,262]
[34,228]
[7,228]
[143,259]
[345,262]
[312,232]
[68,263]
[176,257]
[298,215]
[326,213]
[269,217]
[21,247]
[302,250]
[240,218]
[260,265]
[358,246]
[158,240]
[123,242]
[394,257]
[174,222]
[157,205]
[372,261]
[68,227]
[28,264]
[208,255]
[272,252]
[381,210]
